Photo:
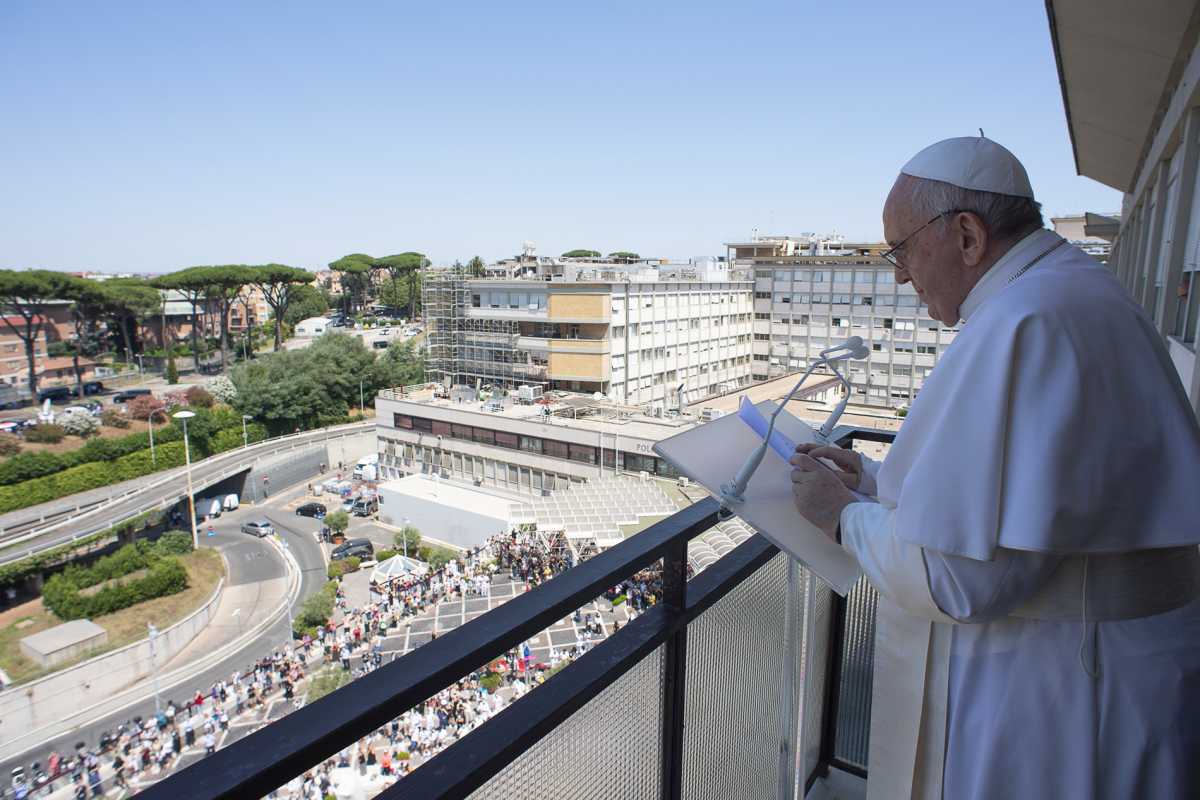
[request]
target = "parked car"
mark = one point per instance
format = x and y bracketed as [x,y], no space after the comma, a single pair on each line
[315,510]
[260,528]
[359,548]
[128,394]
[12,425]
[55,394]
[365,506]
[380,344]
[93,387]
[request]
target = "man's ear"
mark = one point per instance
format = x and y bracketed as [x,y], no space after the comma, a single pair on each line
[972,237]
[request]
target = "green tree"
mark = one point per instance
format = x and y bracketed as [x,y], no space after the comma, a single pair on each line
[306,301]
[172,370]
[89,304]
[281,286]
[194,285]
[355,270]
[400,365]
[581,254]
[405,265]
[29,295]
[130,301]
[338,521]
[408,537]
[225,283]
[476,267]
[624,255]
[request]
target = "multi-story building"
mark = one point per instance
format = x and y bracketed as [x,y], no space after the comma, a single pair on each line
[1091,233]
[633,333]
[810,293]
[1140,135]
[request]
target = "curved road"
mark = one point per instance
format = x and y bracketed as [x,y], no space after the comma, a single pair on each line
[250,560]
[62,521]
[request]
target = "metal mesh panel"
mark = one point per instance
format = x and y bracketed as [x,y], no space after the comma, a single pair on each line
[610,748]
[858,663]
[732,721]
[818,606]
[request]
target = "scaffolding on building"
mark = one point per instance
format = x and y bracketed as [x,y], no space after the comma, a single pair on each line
[472,351]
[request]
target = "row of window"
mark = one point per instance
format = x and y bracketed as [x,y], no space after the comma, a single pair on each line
[585,454]
[899,300]
[677,325]
[530,301]
[862,277]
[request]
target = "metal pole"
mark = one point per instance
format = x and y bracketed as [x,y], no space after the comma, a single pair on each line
[154,667]
[150,422]
[362,409]
[406,541]
[187,454]
[245,438]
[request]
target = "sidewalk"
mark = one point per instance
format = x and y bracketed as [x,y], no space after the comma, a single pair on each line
[240,609]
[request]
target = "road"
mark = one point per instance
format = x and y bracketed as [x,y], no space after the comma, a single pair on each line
[250,560]
[68,522]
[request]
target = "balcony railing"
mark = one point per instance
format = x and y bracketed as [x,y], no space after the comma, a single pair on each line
[750,680]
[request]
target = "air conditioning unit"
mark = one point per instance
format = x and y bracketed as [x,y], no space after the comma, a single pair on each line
[644,475]
[683,482]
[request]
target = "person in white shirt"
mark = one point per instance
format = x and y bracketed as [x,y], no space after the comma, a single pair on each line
[1034,543]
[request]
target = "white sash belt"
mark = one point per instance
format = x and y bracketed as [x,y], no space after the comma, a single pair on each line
[1123,586]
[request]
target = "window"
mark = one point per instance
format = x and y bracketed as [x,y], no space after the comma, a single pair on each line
[802,274]
[841,299]
[926,349]
[422,424]
[441,428]
[762,273]
[403,421]
[761,296]
[483,436]
[461,432]
[842,276]
[818,276]
[785,299]
[531,444]
[508,440]
[761,315]
[555,449]
[582,453]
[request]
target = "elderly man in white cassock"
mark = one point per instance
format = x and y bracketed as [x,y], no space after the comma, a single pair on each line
[1035,541]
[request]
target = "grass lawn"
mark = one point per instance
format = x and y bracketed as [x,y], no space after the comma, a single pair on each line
[204,568]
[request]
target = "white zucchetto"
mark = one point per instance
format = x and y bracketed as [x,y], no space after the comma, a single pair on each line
[971,162]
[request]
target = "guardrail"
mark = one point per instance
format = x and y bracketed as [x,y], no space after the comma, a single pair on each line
[257,450]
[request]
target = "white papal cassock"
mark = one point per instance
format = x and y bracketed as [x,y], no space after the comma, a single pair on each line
[1051,449]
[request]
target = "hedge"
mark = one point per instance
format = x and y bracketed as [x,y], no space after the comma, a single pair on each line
[104,473]
[166,576]
[18,571]
[315,612]
[130,558]
[343,567]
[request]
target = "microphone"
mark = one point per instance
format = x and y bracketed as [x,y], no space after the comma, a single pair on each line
[852,348]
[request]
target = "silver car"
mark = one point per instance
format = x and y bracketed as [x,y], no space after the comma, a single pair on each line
[261,528]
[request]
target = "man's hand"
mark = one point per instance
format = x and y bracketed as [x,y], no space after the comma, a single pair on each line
[820,493]
[849,462]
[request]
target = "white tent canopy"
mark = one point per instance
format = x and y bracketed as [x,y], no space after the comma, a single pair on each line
[397,567]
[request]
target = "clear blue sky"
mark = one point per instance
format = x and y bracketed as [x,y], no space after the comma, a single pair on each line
[152,136]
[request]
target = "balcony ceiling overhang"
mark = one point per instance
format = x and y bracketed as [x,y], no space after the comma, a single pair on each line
[1117,61]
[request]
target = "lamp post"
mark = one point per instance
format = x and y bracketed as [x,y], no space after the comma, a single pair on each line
[150,422]
[361,408]
[187,454]
[405,535]
[245,436]
[154,667]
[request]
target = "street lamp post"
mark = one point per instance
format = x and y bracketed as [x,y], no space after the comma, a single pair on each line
[187,454]
[154,667]
[150,422]
[245,437]
[362,409]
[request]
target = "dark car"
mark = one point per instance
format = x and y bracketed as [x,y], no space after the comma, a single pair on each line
[129,394]
[316,510]
[360,548]
[55,394]
[93,387]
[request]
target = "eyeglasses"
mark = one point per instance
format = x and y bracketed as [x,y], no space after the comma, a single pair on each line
[892,256]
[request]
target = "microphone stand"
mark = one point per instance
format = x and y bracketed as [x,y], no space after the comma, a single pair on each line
[732,492]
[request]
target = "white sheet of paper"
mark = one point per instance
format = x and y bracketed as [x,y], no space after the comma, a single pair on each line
[710,454]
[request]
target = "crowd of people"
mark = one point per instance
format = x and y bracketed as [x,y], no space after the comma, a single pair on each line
[142,750]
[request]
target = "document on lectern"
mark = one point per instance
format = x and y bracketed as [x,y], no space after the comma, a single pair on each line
[711,454]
